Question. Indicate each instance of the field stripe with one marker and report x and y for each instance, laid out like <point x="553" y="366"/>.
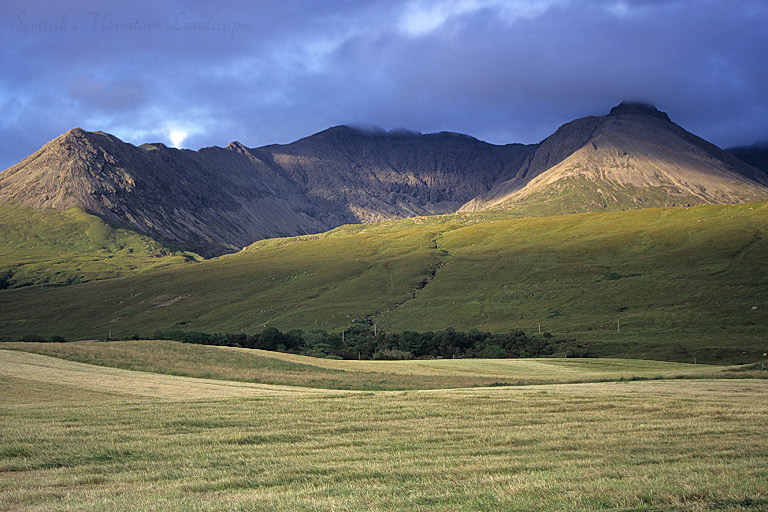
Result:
<point x="712" y="389"/>
<point x="512" y="368"/>
<point x="50" y="370"/>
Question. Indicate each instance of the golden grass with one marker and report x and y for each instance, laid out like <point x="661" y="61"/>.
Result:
<point x="691" y="445"/>
<point x="44" y="370"/>
<point x="554" y="369"/>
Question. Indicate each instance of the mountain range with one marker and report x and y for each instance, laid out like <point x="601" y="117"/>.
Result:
<point x="218" y="200"/>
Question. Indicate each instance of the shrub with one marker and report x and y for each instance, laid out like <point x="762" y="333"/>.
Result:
<point x="391" y="354"/>
<point x="577" y="352"/>
<point x="33" y="338"/>
<point x="359" y="341"/>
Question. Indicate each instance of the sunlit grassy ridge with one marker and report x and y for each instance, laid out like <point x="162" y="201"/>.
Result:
<point x="595" y="195"/>
<point x="50" y="247"/>
<point x="688" y="284"/>
<point x="266" y="367"/>
<point x="165" y="443"/>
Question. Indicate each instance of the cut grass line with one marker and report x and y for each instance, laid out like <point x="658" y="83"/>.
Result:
<point x="46" y="369"/>
<point x="523" y="368"/>
<point x="688" y="388"/>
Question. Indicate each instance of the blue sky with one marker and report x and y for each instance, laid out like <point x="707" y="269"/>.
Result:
<point x="195" y="74"/>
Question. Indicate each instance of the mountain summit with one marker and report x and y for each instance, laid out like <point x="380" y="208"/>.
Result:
<point x="212" y="201"/>
<point x="633" y="157"/>
<point x="218" y="200"/>
<point x="635" y="108"/>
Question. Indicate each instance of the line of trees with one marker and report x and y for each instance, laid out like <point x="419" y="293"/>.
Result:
<point x="360" y="342"/>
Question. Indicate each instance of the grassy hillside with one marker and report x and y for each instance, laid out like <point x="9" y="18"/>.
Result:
<point x="677" y="283"/>
<point x="584" y="194"/>
<point x="687" y="284"/>
<point x="81" y="437"/>
<point x="276" y="368"/>
<point x="323" y="281"/>
<point x="50" y="247"/>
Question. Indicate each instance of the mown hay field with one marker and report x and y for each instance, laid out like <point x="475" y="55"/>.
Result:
<point x="81" y="437"/>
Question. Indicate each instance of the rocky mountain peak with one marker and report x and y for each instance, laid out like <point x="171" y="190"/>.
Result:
<point x="153" y="146"/>
<point x="638" y="108"/>
<point x="76" y="132"/>
<point x="237" y="146"/>
<point x="74" y="136"/>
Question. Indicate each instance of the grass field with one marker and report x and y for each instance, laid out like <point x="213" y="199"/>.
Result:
<point x="275" y="368"/>
<point x="681" y="284"/>
<point x="81" y="437"/>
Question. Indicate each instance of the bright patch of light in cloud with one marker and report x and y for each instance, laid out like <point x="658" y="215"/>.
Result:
<point x="422" y="17"/>
<point x="173" y="135"/>
<point x="177" y="137"/>
<point x="619" y="9"/>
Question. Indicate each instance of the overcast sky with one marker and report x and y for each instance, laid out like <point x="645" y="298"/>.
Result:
<point x="194" y="74"/>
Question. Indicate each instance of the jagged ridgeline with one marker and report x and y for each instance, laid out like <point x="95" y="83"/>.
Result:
<point x="218" y="200"/>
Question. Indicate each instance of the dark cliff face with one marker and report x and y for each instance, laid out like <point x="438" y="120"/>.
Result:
<point x="371" y="176"/>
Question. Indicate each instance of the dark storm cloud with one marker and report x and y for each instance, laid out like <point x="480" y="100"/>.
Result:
<point x="263" y="72"/>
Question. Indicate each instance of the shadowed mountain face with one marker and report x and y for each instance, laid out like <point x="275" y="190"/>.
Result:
<point x="372" y="176"/>
<point x="218" y="200"/>
<point x="755" y="155"/>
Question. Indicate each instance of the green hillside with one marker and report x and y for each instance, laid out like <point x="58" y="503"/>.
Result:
<point x="685" y="284"/>
<point x="50" y="247"/>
